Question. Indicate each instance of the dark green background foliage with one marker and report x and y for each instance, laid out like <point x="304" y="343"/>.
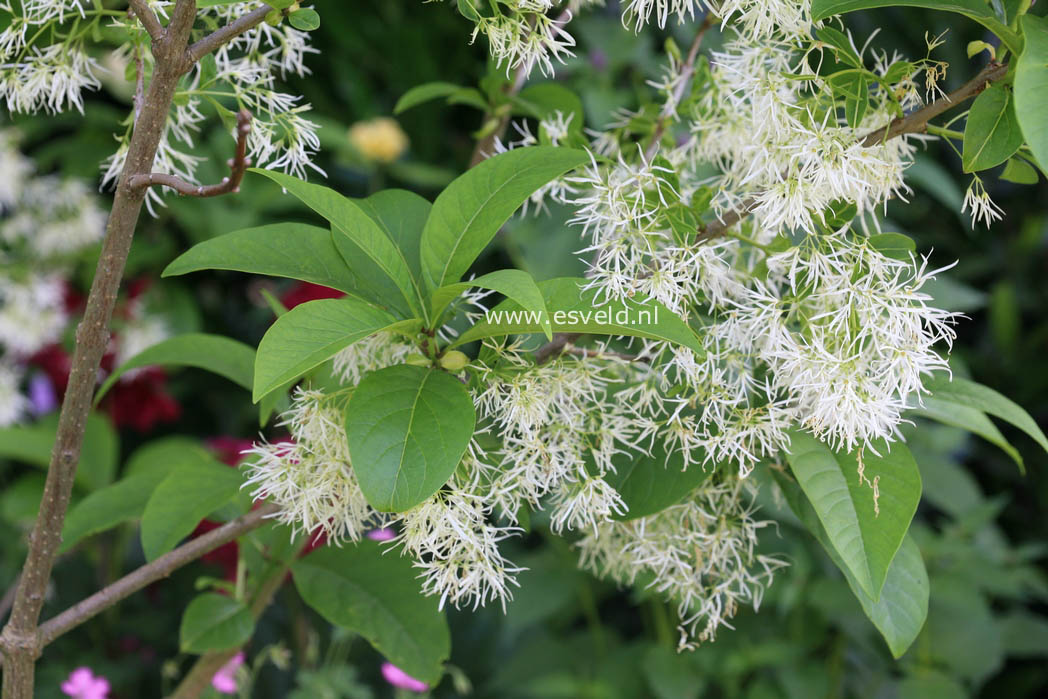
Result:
<point x="980" y="525"/>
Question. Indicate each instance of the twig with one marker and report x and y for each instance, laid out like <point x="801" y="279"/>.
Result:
<point x="151" y="572"/>
<point x="238" y="166"/>
<point x="486" y="145"/>
<point x="597" y="354"/>
<point x="148" y="18"/>
<point x="684" y="80"/>
<point x="225" y="34"/>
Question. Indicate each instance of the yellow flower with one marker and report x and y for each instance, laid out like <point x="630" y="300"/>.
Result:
<point x="381" y="139"/>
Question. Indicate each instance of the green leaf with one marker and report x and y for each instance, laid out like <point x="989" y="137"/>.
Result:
<point x="894" y="245"/>
<point x="572" y="309"/>
<point x="865" y="539"/>
<point x="98" y="456"/>
<point x="1031" y="86"/>
<point x="215" y="353"/>
<point x="511" y="283"/>
<point x="975" y="10"/>
<point x="973" y="395"/>
<point x="380" y="267"/>
<point x="544" y="99"/>
<point x="360" y="589"/>
<point x="466" y="215"/>
<point x="291" y="250"/>
<point x="853" y="88"/>
<point x="423" y="93"/>
<point x="970" y="419"/>
<point x="649" y="483"/>
<point x="186" y="495"/>
<point x="1019" y="171"/>
<point x="839" y="41"/>
<point x="402" y="215"/>
<point x="305" y="19"/>
<point x="900" y="612"/>
<point x="125" y="500"/>
<point x="214" y="622"/>
<point x="408" y="428"/>
<point x="308" y="335"/>
<point x="992" y="133"/>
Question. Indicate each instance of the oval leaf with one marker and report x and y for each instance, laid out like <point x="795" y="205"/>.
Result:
<point x="290" y="250"/>
<point x="214" y="622"/>
<point x="511" y="283"/>
<point x="865" y="539"/>
<point x="215" y="353"/>
<point x="992" y="133"/>
<point x="408" y="427"/>
<point x="309" y="334"/>
<point x="466" y="215"/>
<point x="1031" y="86"/>
<point x="377" y="596"/>
<point x="651" y="483"/>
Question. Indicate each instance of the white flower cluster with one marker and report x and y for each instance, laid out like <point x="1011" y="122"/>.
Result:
<point x="700" y="553"/>
<point x="242" y="74"/>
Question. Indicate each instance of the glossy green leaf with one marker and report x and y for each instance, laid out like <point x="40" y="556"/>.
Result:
<point x="408" y="428"/>
<point x="468" y="213"/>
<point x="894" y="245"/>
<point x="1019" y="171"/>
<point x="973" y="395"/>
<point x="214" y="622"/>
<point x="992" y="133"/>
<point x="420" y="94"/>
<point x="865" y="532"/>
<point x="306" y="19"/>
<point x="291" y="250"/>
<point x="1031" y="86"/>
<point x="511" y="283"/>
<point x="310" y="334"/>
<point x="377" y="595"/>
<point x="125" y="500"/>
<point x="382" y="271"/>
<point x="975" y="10"/>
<point x="402" y="215"/>
<point x="967" y="418"/>
<point x="649" y="483"/>
<point x="219" y="355"/>
<point x="900" y="612"/>
<point x="852" y="87"/>
<point x="185" y="496"/>
<point x="572" y="309"/>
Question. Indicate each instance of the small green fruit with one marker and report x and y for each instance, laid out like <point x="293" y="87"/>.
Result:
<point x="454" y="361"/>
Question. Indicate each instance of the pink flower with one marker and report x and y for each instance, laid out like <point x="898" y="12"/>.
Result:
<point x="82" y="684"/>
<point x="225" y="680"/>
<point x="398" y="678"/>
<point x="384" y="534"/>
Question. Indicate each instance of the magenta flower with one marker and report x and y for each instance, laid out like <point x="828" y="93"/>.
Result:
<point x="384" y="534"/>
<point x="398" y="678"/>
<point x="225" y="680"/>
<point x="83" y="684"/>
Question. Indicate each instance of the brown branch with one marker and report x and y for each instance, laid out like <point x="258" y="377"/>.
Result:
<point x="225" y="34"/>
<point x="598" y="354"/>
<point x="686" y="72"/>
<point x="148" y="18"/>
<point x="151" y="572"/>
<point x="238" y="166"/>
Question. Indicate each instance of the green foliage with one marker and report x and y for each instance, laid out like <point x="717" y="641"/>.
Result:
<point x="310" y="334"/>
<point x="992" y="133"/>
<point x="215" y="622"/>
<point x="215" y="353"/>
<point x="514" y="284"/>
<point x="190" y="492"/>
<point x="420" y="94"/>
<point x="32" y="444"/>
<point x="865" y="510"/>
<point x="376" y="595"/>
<point x="1031" y="86"/>
<point x="408" y="428"/>
<point x="466" y="215"/>
<point x="649" y="483"/>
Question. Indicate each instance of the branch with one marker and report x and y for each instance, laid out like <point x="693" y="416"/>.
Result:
<point x="224" y="35"/>
<point x="687" y="70"/>
<point x="238" y="165"/>
<point x="148" y="18"/>
<point x="151" y="572"/>
<point x="916" y="122"/>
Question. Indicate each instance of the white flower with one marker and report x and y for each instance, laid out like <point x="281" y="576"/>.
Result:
<point x="13" y="405"/>
<point x="32" y="313"/>
<point x="979" y="205"/>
